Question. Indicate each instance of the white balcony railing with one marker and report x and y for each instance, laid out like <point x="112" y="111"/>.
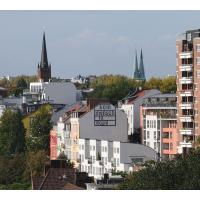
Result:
<point x="186" y="131"/>
<point x="186" y="119"/>
<point x="186" y="67"/>
<point x="186" y="80"/>
<point x="187" y="105"/>
<point x="186" y="54"/>
<point x="186" y="144"/>
<point x="186" y="93"/>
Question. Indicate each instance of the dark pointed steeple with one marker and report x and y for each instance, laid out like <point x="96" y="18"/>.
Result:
<point x="44" y="69"/>
<point x="141" y="67"/>
<point x="136" y="73"/>
<point x="44" y="59"/>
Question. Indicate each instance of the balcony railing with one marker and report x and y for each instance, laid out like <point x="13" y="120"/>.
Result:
<point x="186" y="54"/>
<point x="186" y="118"/>
<point x="187" y="105"/>
<point x="187" y="144"/>
<point x="186" y="92"/>
<point x="186" y="67"/>
<point x="186" y="80"/>
<point x="187" y="131"/>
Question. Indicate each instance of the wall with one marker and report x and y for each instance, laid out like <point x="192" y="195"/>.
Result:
<point x="117" y="133"/>
<point x="61" y="93"/>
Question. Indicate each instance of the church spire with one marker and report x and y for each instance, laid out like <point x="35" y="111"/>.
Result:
<point x="44" y="59"/>
<point x="141" y="67"/>
<point x="136" y="73"/>
<point x="44" y="69"/>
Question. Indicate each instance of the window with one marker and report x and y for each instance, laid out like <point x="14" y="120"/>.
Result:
<point x="154" y="145"/>
<point x="117" y="161"/>
<point x="198" y="73"/>
<point x="198" y="60"/>
<point x="105" y="149"/>
<point x="198" y="47"/>
<point x="117" y="150"/>
<point x="154" y="135"/>
<point x="171" y="146"/>
<point x="189" y="37"/>
<point x="106" y="160"/>
<point x="147" y="134"/>
<point x="93" y="148"/>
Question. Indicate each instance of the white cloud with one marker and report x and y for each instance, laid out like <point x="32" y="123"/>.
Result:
<point x="88" y="36"/>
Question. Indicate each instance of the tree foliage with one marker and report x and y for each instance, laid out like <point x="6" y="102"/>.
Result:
<point x="12" y="133"/>
<point x="17" y="84"/>
<point x="35" y="162"/>
<point x="116" y="87"/>
<point x="69" y="164"/>
<point x="12" y="169"/>
<point x="113" y="87"/>
<point x="179" y="174"/>
<point x="39" y="130"/>
<point x="165" y="85"/>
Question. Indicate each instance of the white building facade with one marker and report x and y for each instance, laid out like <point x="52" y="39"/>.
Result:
<point x="97" y="141"/>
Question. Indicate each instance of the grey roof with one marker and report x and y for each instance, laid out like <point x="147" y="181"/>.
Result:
<point x="131" y="150"/>
<point x="60" y="113"/>
<point x="168" y="95"/>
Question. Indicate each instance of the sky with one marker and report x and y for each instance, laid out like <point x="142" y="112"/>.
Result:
<point x="92" y="42"/>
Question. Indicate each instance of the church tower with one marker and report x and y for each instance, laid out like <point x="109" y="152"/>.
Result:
<point x="44" y="69"/>
<point x="139" y="73"/>
<point x="141" y="68"/>
<point x="136" y="72"/>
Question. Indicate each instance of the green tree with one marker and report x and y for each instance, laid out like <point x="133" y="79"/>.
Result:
<point x="113" y="87"/>
<point x="39" y="130"/>
<point x="12" y="169"/>
<point x="12" y="133"/>
<point x="35" y="163"/>
<point x="181" y="173"/>
<point x="69" y="164"/>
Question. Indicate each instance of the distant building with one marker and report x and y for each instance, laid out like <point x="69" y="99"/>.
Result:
<point x="52" y="90"/>
<point x="159" y="124"/>
<point x="139" y="73"/>
<point x="131" y="106"/>
<point x="44" y="68"/>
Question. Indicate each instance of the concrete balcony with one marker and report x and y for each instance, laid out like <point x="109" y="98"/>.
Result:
<point x="187" y="105"/>
<point x="186" y="80"/>
<point x="186" y="131"/>
<point x="186" y="54"/>
<point x="186" y="144"/>
<point x="186" y="118"/>
<point x="186" y="93"/>
<point x="186" y="67"/>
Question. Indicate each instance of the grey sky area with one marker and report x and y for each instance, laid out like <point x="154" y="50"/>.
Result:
<point x="92" y="42"/>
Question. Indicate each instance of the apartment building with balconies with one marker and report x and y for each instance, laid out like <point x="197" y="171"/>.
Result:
<point x="188" y="87"/>
<point x="158" y="124"/>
